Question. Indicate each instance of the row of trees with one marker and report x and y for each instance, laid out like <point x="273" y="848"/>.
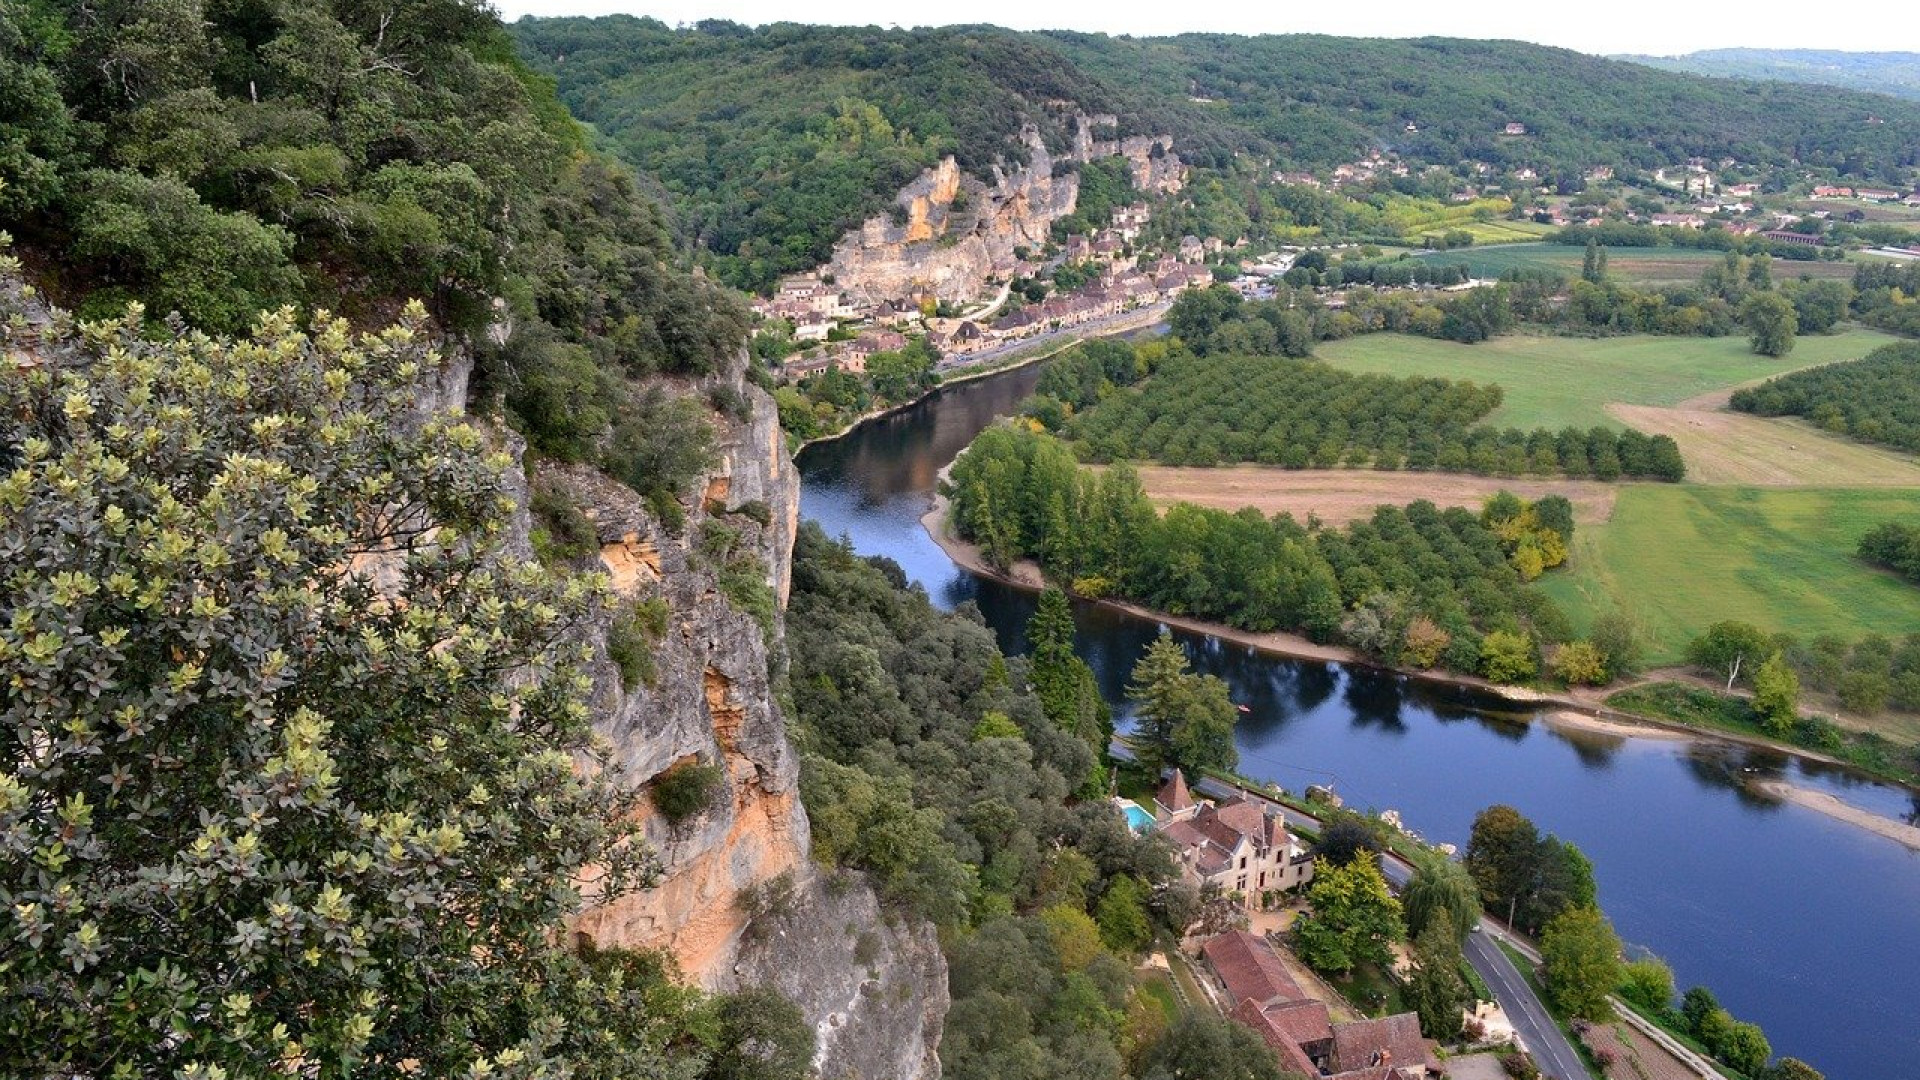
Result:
<point x="1866" y="675"/>
<point x="1875" y="399"/>
<point x="1416" y="585"/>
<point x="1208" y="410"/>
<point x="1887" y="295"/>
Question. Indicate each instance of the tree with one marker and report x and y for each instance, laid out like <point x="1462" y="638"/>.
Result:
<point x="1185" y="720"/>
<point x="1730" y="649"/>
<point x="1770" y="321"/>
<point x="1562" y="879"/>
<point x="1745" y="1048"/>
<point x="1501" y="854"/>
<point x="1442" y="892"/>
<point x="1122" y="916"/>
<point x="1614" y="636"/>
<point x="290" y="735"/>
<point x="1354" y="919"/>
<point x="1791" y="1069"/>
<point x="1065" y="684"/>
<point x="1580" y="663"/>
<point x="761" y="1036"/>
<point x="1776" y="694"/>
<point x="1436" y="989"/>
<point x="1348" y="837"/>
<point x="1076" y="937"/>
<point x="1507" y="657"/>
<point x="1204" y="1044"/>
<point x="1648" y="983"/>
<point x="1580" y="957"/>
<point x="1697" y="1007"/>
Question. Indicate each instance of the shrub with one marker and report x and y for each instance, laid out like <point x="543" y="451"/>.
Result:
<point x="1580" y="663"/>
<point x="630" y="642"/>
<point x="1507" y="657"/>
<point x="685" y="790"/>
<point x="560" y="531"/>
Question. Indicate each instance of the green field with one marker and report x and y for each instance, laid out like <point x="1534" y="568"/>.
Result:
<point x="1631" y="266"/>
<point x="1676" y="559"/>
<point x="1556" y="381"/>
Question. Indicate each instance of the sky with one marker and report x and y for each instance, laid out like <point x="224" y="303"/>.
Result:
<point x="1657" y="27"/>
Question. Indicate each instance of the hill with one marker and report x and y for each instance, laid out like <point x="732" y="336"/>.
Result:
<point x="773" y="141"/>
<point x="1896" y="73"/>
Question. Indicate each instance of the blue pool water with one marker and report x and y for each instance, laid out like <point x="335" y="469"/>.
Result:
<point x="1137" y="818"/>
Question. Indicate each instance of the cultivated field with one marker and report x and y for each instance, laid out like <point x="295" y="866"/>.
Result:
<point x="1557" y="381"/>
<point x="1495" y="232"/>
<point x="1677" y="558"/>
<point x="1632" y="266"/>
<point x="1338" y="496"/>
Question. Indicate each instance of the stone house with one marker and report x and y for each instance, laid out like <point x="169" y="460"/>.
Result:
<point x="1237" y="845"/>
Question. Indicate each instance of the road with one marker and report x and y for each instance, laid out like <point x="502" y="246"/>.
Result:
<point x="1543" y="1037"/>
<point x="1548" y="1045"/>
<point x="1066" y="335"/>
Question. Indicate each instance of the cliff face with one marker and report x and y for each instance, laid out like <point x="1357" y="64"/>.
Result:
<point x="711" y="699"/>
<point x="948" y="253"/>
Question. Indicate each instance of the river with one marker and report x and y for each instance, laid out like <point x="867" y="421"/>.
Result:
<point x="1800" y="923"/>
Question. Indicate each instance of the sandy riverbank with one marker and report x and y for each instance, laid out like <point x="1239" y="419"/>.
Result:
<point x="1629" y="729"/>
<point x="1898" y="831"/>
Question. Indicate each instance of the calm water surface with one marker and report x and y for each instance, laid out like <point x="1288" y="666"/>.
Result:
<point x="1804" y="925"/>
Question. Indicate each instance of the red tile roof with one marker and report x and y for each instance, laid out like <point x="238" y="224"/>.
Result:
<point x="1292" y="1057"/>
<point x="1174" y="794"/>
<point x="1250" y="969"/>
<point x="1392" y="1041"/>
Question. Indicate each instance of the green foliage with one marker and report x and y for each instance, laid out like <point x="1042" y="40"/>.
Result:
<point x="686" y="790"/>
<point x="1523" y="875"/>
<point x="1026" y="1008"/>
<point x="1353" y="922"/>
<point x="1875" y="400"/>
<point x="1894" y="545"/>
<point x="996" y="725"/>
<point x="1508" y="657"/>
<point x="1580" y="663"/>
<point x="760" y="1035"/>
<point x="631" y="638"/>
<point x="561" y="532"/>
<point x="1436" y="989"/>
<point x="1580" y="958"/>
<point x="362" y="789"/>
<point x="1020" y="494"/>
<point x="1202" y="1043"/>
<point x="1648" y="984"/>
<point x="1733" y="650"/>
<point x="1441" y="893"/>
<point x="1619" y="645"/>
<point x="1182" y="719"/>
<point x="888" y="694"/>
<point x="216" y="160"/>
<point x="1221" y="409"/>
<point x="1122" y="917"/>
<point x="1062" y="681"/>
<point x="661" y="444"/>
<point x="1770" y="321"/>
<point x="1776" y="694"/>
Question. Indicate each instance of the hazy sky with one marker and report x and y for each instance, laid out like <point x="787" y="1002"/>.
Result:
<point x="1659" y="27"/>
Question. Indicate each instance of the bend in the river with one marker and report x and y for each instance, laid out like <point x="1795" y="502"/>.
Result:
<point x="1798" y="922"/>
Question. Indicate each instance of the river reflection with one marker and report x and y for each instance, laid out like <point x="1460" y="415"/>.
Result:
<point x="1800" y="923"/>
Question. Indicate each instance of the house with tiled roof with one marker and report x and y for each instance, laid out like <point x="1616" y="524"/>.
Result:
<point x="1257" y="991"/>
<point x="1237" y="845"/>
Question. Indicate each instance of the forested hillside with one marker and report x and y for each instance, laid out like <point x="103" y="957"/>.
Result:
<point x="774" y="140"/>
<point x="1896" y="73"/>
<point x="220" y="160"/>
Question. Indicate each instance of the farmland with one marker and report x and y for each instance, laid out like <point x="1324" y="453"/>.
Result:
<point x="1558" y="381"/>
<point x="1675" y="559"/>
<point x="1631" y="266"/>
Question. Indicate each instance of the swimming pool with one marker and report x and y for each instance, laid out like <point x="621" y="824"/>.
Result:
<point x="1137" y="819"/>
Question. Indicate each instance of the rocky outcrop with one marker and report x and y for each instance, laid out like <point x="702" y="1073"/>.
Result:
<point x="876" y="990"/>
<point x="937" y="243"/>
<point x="710" y="699"/>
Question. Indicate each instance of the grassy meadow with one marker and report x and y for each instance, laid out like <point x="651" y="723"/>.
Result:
<point x="1677" y="558"/>
<point x="1557" y="381"/>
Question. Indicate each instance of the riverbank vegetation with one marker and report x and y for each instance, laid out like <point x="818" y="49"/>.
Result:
<point x="948" y="772"/>
<point x="1415" y="585"/>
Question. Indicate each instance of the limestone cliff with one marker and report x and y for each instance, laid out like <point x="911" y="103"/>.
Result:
<point x="711" y="698"/>
<point x="937" y="244"/>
